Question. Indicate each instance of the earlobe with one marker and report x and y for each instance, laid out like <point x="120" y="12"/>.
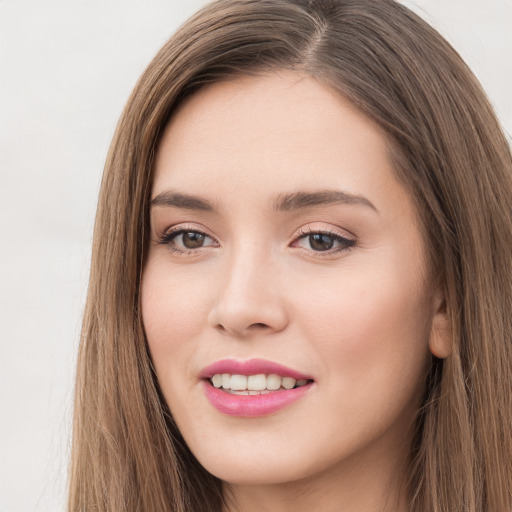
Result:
<point x="440" y="340"/>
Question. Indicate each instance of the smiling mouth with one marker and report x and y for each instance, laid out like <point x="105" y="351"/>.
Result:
<point x="258" y="384"/>
<point x="253" y="388"/>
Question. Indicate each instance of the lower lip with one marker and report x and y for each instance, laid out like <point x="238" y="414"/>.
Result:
<point x="250" y="406"/>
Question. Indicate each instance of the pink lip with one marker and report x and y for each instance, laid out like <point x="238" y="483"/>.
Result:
<point x="251" y="367"/>
<point x="248" y="406"/>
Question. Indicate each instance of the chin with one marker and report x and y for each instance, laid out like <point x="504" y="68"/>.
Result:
<point x="261" y="472"/>
<point x="265" y="458"/>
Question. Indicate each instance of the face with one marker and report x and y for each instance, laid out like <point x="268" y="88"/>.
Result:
<point x="283" y="245"/>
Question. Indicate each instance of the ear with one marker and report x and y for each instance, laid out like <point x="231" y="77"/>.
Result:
<point x="440" y="340"/>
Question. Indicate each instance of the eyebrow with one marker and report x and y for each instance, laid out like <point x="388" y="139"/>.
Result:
<point x="184" y="201"/>
<point x="283" y="202"/>
<point x="304" y="200"/>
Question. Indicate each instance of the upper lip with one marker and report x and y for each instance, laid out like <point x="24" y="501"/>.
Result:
<point x="251" y="367"/>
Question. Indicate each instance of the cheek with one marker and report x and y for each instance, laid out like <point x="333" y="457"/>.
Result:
<point x="370" y="331"/>
<point x="172" y="307"/>
<point x="371" y="342"/>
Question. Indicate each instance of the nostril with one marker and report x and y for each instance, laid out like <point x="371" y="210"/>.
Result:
<point x="221" y="328"/>
<point x="258" y="325"/>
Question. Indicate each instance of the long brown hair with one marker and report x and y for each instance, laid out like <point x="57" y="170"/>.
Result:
<point x="450" y="153"/>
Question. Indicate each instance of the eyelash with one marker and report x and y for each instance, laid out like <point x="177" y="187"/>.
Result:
<point x="168" y="237"/>
<point x="346" y="244"/>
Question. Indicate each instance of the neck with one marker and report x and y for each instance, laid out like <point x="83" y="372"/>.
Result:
<point x="353" y="486"/>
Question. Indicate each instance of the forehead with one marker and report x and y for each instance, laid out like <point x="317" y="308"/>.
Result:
<point x="271" y="134"/>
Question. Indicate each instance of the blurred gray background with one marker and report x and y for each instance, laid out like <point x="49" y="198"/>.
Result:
<point x="66" y="70"/>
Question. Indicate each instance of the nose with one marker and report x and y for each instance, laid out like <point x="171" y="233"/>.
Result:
<point x="250" y="299"/>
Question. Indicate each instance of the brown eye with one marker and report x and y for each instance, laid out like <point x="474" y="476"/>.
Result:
<point x="183" y="240"/>
<point x="327" y="242"/>
<point x="321" y="241"/>
<point x="192" y="239"/>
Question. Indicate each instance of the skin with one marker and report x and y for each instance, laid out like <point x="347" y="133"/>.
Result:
<point x="362" y="320"/>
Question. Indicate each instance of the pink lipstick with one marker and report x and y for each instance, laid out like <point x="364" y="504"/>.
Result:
<point x="252" y="388"/>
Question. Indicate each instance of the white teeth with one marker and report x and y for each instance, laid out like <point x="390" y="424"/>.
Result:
<point x="273" y="382"/>
<point x="254" y="384"/>
<point x="288" y="382"/>
<point x="226" y="378"/>
<point x="238" y="382"/>
<point x="257" y="382"/>
<point x="217" y="380"/>
<point x="248" y="392"/>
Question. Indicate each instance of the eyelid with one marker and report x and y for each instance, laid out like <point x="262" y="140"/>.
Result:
<point x="338" y="234"/>
<point x="322" y="227"/>
<point x="166" y="236"/>
<point x="348" y="241"/>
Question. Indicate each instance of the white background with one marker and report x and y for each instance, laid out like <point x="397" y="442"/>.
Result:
<point x="67" y="68"/>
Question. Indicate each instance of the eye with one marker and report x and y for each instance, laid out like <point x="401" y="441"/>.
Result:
<point x="186" y="240"/>
<point x="323" y="241"/>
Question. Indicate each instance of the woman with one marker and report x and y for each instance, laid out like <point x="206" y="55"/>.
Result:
<point x="300" y="291"/>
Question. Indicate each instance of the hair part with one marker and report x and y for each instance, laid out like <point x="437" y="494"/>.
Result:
<point x="449" y="152"/>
